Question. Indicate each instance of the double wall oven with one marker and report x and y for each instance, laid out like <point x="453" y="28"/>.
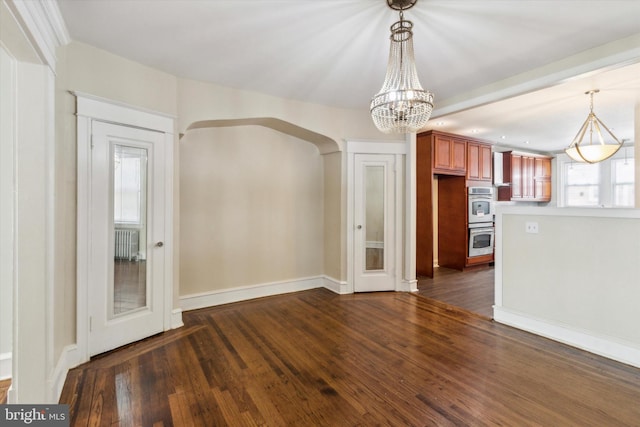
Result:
<point x="481" y="221"/>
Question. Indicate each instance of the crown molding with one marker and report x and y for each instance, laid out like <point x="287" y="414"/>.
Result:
<point x="42" y="23"/>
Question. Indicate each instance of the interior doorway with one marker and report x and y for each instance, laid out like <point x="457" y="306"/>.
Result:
<point x="125" y="217"/>
<point x="374" y="232"/>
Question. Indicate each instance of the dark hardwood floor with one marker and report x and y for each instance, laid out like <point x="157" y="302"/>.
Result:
<point x="471" y="289"/>
<point x="315" y="358"/>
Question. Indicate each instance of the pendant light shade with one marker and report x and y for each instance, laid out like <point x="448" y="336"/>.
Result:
<point x="402" y="105"/>
<point x="591" y="151"/>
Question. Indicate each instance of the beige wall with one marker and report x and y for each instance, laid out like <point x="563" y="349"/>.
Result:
<point x="198" y="101"/>
<point x="204" y="101"/>
<point x="251" y="208"/>
<point x="335" y="265"/>
<point x="100" y="73"/>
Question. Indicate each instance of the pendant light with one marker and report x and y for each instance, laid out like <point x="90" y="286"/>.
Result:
<point x="402" y="105"/>
<point x="592" y="151"/>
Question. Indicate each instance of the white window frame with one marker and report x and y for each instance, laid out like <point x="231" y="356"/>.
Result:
<point x="605" y="193"/>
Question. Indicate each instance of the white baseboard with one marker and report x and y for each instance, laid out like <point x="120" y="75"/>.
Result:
<point x="408" y="286"/>
<point x="226" y="296"/>
<point x="5" y="365"/>
<point x="603" y="346"/>
<point x="68" y="360"/>
<point x="176" y="318"/>
<point x="334" y="285"/>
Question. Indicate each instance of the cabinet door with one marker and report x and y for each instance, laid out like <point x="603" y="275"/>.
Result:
<point x="485" y="163"/>
<point x="516" y="176"/>
<point x="442" y="152"/>
<point x="479" y="162"/>
<point x="459" y="159"/>
<point x="528" y="169"/>
<point x="449" y="155"/>
<point x="542" y="179"/>
<point x="473" y="161"/>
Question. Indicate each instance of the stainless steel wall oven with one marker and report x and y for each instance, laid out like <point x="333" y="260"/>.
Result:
<point x="481" y="239"/>
<point x="481" y="204"/>
<point x="480" y="220"/>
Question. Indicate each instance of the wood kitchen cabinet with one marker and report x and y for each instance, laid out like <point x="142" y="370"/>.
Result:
<point x="479" y="161"/>
<point x="527" y="177"/>
<point x="424" y="205"/>
<point x="458" y="162"/>
<point x="449" y="155"/>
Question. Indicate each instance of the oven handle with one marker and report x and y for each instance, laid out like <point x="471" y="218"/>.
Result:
<point x="480" y="230"/>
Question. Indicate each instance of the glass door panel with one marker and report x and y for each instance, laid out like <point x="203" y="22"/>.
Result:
<point x="374" y="217"/>
<point x="129" y="229"/>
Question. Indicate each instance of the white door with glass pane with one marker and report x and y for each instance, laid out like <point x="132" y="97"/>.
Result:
<point x="374" y="215"/>
<point x="127" y="231"/>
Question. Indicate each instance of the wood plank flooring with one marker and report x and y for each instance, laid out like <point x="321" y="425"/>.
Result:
<point x="315" y="358"/>
<point x="471" y="289"/>
<point x="4" y="388"/>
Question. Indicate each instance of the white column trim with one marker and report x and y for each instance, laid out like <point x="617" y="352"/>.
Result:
<point x="410" y="282"/>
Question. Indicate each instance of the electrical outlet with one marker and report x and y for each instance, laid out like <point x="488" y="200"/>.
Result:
<point x="531" y="227"/>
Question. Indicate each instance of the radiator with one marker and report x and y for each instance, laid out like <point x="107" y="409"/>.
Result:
<point x="126" y="244"/>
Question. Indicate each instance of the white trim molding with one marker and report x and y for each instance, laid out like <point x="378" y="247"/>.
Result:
<point x="408" y="286"/>
<point x="176" y="318"/>
<point x="603" y="346"/>
<point x="68" y="360"/>
<point x="43" y="24"/>
<point x="106" y="110"/>
<point x="243" y="293"/>
<point x="334" y="285"/>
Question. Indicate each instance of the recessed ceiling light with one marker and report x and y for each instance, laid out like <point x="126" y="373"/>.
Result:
<point x="503" y="137"/>
<point x="439" y="123"/>
<point x="474" y="130"/>
<point x="526" y="142"/>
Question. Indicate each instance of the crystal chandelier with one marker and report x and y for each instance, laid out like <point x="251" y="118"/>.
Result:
<point x="402" y="105"/>
<point x="592" y="152"/>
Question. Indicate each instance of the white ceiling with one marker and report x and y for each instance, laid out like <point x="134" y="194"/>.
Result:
<point x="470" y="53"/>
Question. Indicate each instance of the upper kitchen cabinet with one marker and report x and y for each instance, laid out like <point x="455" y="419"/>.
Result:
<point x="478" y="161"/>
<point x="526" y="177"/>
<point x="449" y="154"/>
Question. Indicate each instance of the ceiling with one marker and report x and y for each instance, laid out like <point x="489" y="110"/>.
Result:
<point x="512" y="68"/>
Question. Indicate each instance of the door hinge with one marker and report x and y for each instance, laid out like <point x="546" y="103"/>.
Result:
<point x="91" y="141"/>
<point x="90" y="323"/>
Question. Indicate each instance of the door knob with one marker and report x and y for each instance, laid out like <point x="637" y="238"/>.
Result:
<point x="359" y="227"/>
<point x="159" y="244"/>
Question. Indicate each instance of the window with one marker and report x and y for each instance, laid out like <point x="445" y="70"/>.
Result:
<point x="129" y="184"/>
<point x="622" y="177"/>
<point x="582" y="184"/>
<point x="605" y="184"/>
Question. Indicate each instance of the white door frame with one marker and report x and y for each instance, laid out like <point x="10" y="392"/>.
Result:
<point x="90" y="108"/>
<point x="366" y="147"/>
